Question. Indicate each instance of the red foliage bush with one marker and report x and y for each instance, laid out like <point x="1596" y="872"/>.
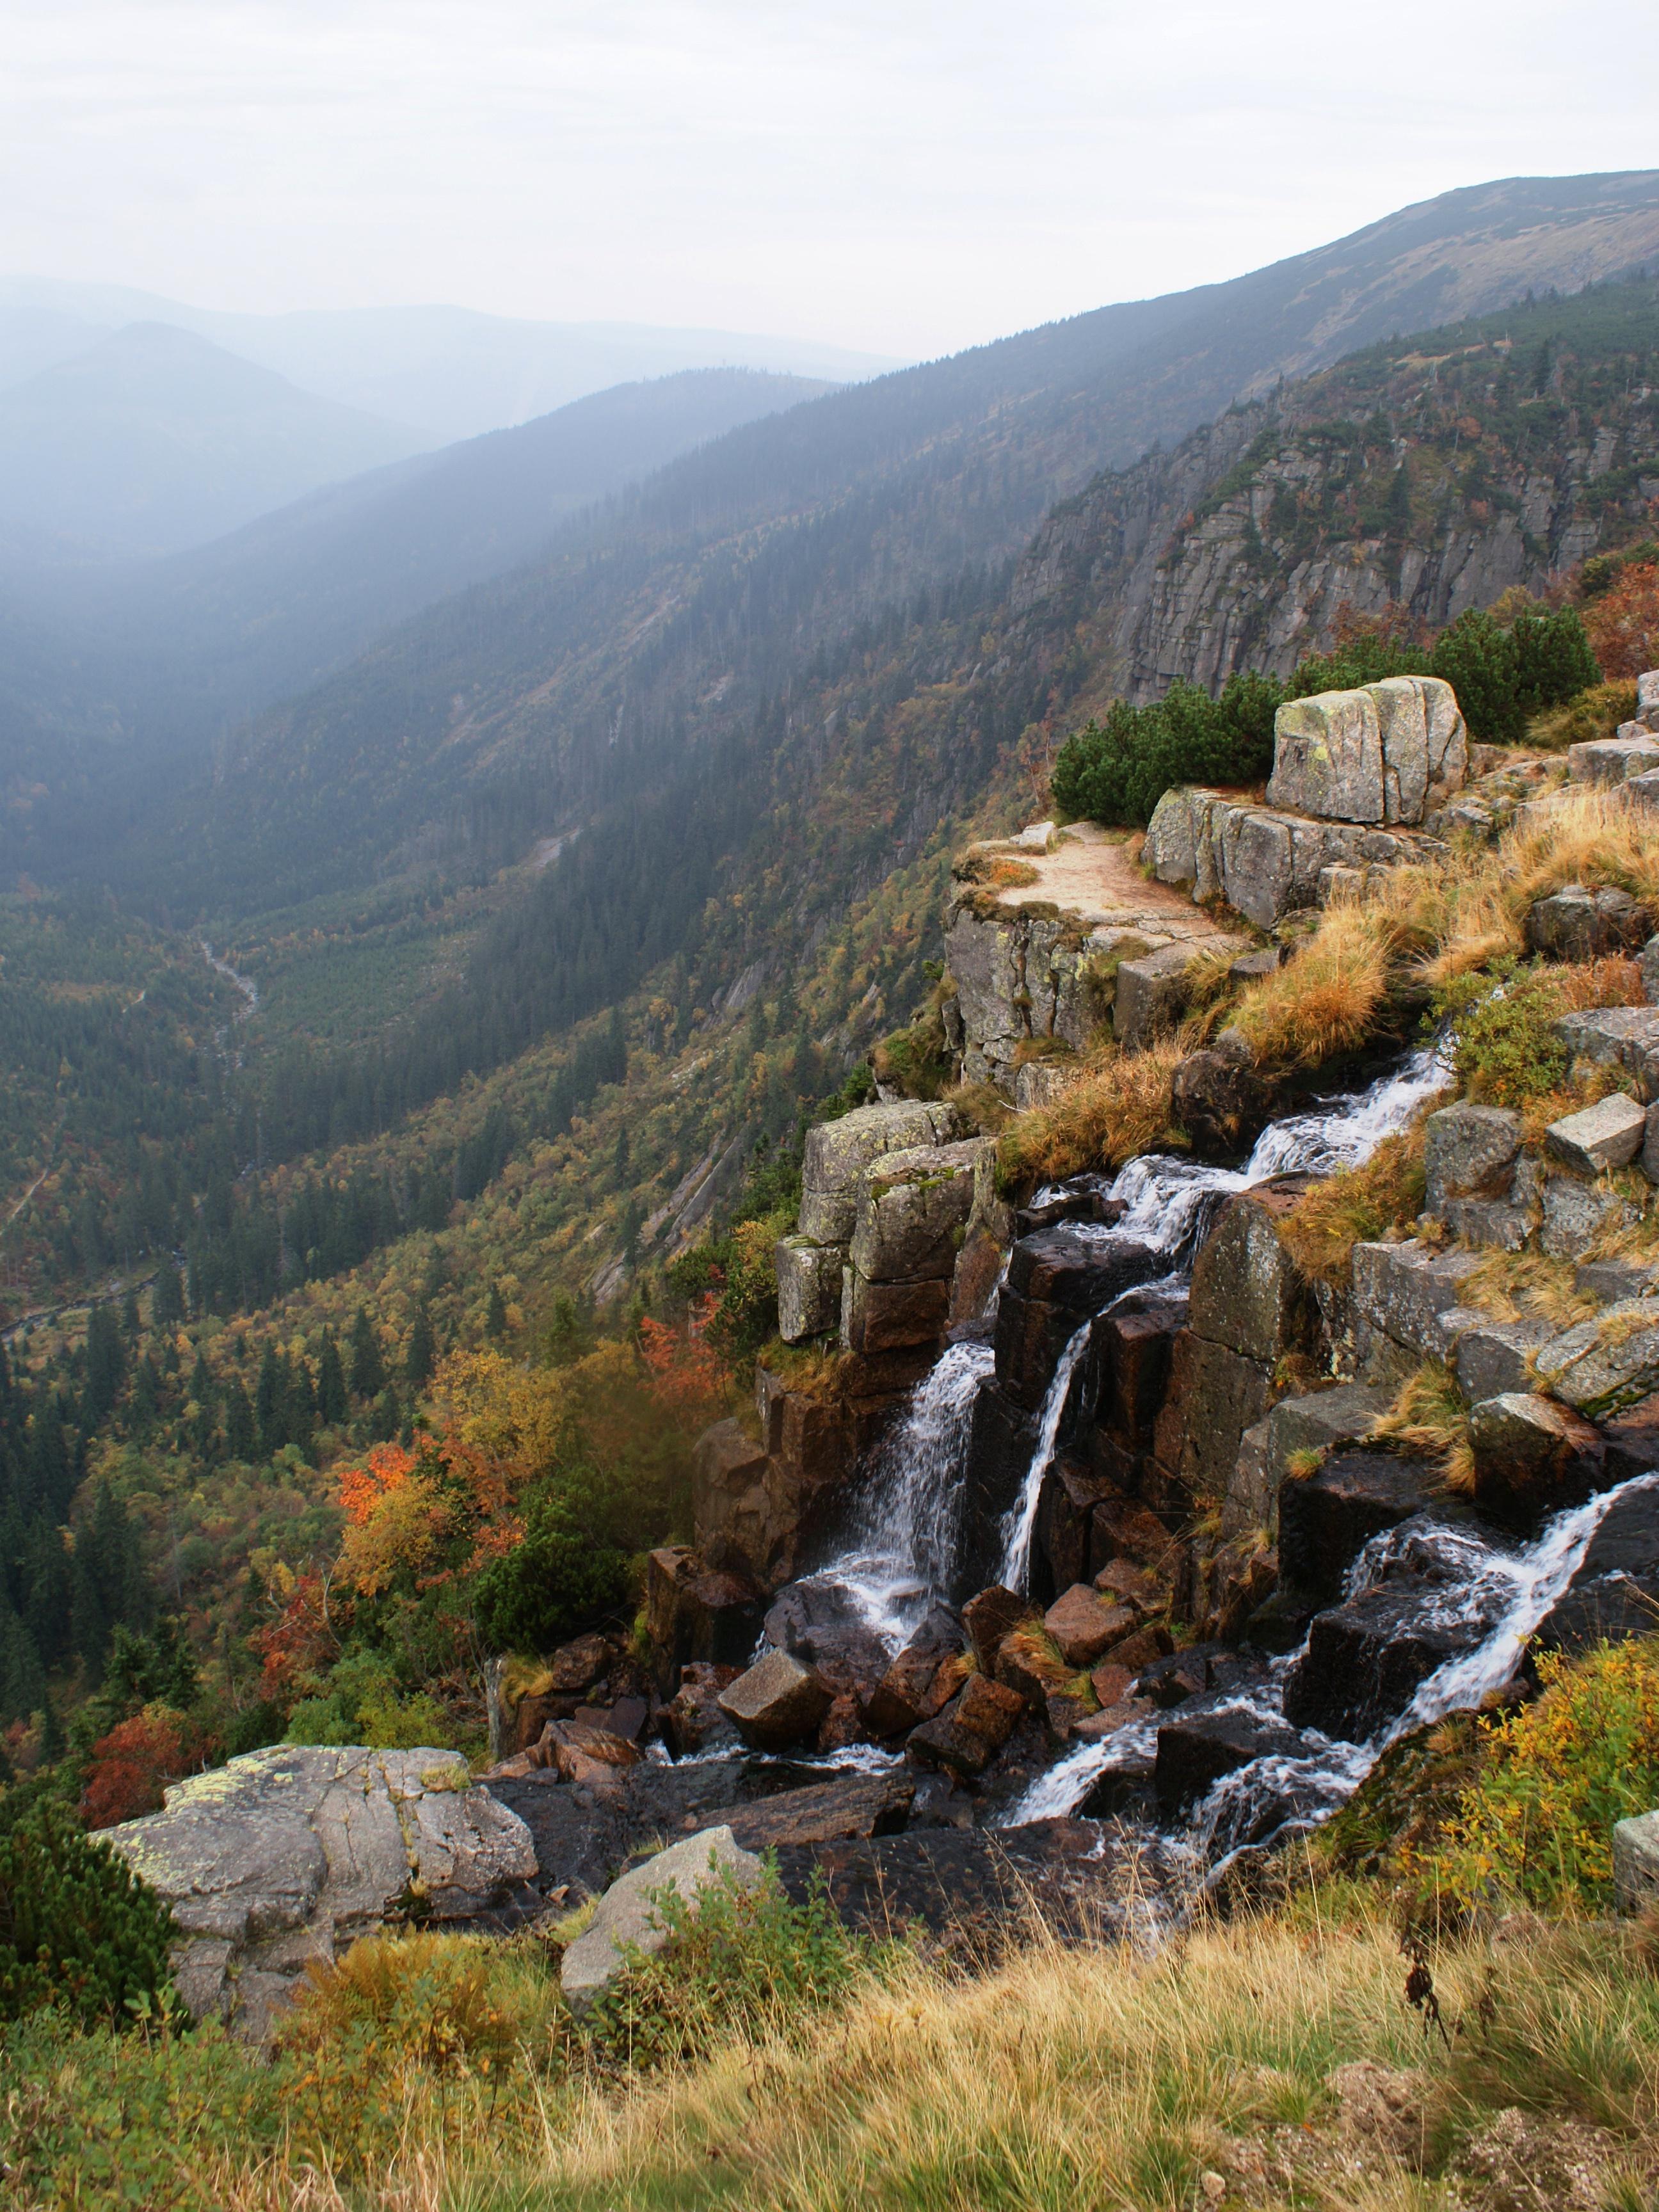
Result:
<point x="130" y="1765"/>
<point x="1623" y="624"/>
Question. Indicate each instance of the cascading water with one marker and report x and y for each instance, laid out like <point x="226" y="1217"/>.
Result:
<point x="1169" y="1204"/>
<point x="1504" y="1594"/>
<point x="901" y="1556"/>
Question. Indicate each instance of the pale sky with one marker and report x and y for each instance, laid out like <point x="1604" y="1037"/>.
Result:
<point x="908" y="176"/>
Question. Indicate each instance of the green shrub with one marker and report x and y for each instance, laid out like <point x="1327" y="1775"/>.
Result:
<point x="550" y="1586"/>
<point x="1499" y="1026"/>
<point x="78" y="1930"/>
<point x="737" y="1962"/>
<point x="1555" y="1776"/>
<point x="1119" y="771"/>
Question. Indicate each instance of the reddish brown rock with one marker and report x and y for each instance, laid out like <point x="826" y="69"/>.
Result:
<point x="777" y="1702"/>
<point x="1153" y="1642"/>
<point x="1135" y="1586"/>
<point x="1027" y="1661"/>
<point x="1110" y="1681"/>
<point x="692" y="1719"/>
<point x="990" y="1709"/>
<point x="579" y="1665"/>
<point x="988" y="1619"/>
<point x="1085" y="1625"/>
<point x="907" y="1695"/>
<point x="843" y="1724"/>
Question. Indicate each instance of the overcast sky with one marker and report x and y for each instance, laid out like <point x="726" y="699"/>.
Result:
<point x="908" y="176"/>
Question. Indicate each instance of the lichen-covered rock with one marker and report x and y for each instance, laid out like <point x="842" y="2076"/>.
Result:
<point x="776" y="1703"/>
<point x="1264" y="864"/>
<point x="629" y="1918"/>
<point x="1605" y="1364"/>
<point x="1383" y="753"/>
<point x="1636" y="1863"/>
<point x="1608" y="1134"/>
<point x="1467" y="1151"/>
<point x="1404" y="1290"/>
<point x="1576" y="924"/>
<point x="1613" y="760"/>
<point x="1617" y="1036"/>
<point x="1576" y="1214"/>
<point x="284" y="1855"/>
<point x="1493" y="1358"/>
<point x="837" y="1152"/>
<point x="1220" y="1102"/>
<point x="1150" y="996"/>
<point x="808" y="1287"/>
<point x="912" y="1210"/>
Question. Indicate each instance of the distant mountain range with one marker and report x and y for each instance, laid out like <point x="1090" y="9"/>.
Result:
<point x="441" y="373"/>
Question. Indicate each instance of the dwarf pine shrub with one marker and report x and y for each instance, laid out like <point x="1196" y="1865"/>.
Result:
<point x="78" y="1930"/>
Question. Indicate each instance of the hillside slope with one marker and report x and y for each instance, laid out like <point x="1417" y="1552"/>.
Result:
<point x="746" y="572"/>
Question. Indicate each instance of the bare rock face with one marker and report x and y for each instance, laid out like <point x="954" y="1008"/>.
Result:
<point x="1576" y="924"/>
<point x="631" y="1916"/>
<point x="837" y="1152"/>
<point x="1467" y="1151"/>
<point x="1608" y="1134"/>
<point x="1385" y="753"/>
<point x="288" y="1855"/>
<point x="1532" y="1455"/>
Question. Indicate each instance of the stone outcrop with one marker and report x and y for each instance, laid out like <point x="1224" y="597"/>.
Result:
<point x="285" y="1855"/>
<point x="1265" y="862"/>
<point x="1387" y="753"/>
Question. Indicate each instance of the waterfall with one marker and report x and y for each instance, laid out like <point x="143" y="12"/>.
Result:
<point x="902" y="1554"/>
<point x="1169" y="1205"/>
<point x="1505" y="1592"/>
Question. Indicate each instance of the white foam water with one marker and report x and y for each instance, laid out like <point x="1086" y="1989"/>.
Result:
<point x="1504" y="1593"/>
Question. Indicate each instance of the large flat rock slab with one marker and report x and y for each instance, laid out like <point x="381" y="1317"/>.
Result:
<point x="286" y="1854"/>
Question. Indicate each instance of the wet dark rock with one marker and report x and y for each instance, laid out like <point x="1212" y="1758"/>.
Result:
<point x="1124" y="1790"/>
<point x="693" y="1612"/>
<point x="1124" y="1530"/>
<point x="692" y="1720"/>
<point x="1215" y="1393"/>
<point x="1633" y="1442"/>
<point x="1326" y="1519"/>
<point x="1000" y="1442"/>
<point x="1065" y="1504"/>
<point x="1128" y="1365"/>
<point x="1366" y="1659"/>
<point x="1221" y="1102"/>
<point x="1171" y="1681"/>
<point x="974" y="1889"/>
<point x="820" y="1624"/>
<point x="1615" y="1592"/>
<point x="967" y="1735"/>
<point x="579" y="1665"/>
<point x="1247" y="1293"/>
<point x="1210" y="1737"/>
<point x="1056" y="1279"/>
<point x="1532" y="1456"/>
<point x="849" y="1805"/>
<point x="1082" y="1199"/>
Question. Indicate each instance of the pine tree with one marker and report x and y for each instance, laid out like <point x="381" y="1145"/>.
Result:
<point x="421" y="1356"/>
<point x="367" y="1368"/>
<point x="495" y="1315"/>
<point x="167" y="1301"/>
<point x="331" y="1400"/>
<point x="106" y="1365"/>
<point x="241" y="1434"/>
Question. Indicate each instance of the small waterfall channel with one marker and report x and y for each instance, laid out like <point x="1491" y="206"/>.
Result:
<point x="1500" y="1596"/>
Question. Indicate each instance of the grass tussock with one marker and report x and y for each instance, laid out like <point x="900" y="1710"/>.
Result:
<point x="1428" y="1419"/>
<point x="1211" y="2071"/>
<point x="1529" y="1287"/>
<point x="1359" y="1206"/>
<point x="1118" y="1108"/>
<point x="1594" y="714"/>
<point x="1325" y="999"/>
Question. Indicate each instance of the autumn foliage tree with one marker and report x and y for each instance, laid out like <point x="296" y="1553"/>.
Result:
<point x="1622" y="622"/>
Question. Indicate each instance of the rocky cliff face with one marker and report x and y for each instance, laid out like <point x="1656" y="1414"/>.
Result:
<point x="1428" y="482"/>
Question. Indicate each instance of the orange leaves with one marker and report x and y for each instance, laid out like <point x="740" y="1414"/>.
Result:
<point x="129" y="1766"/>
<point x="684" y="1373"/>
<point x="304" y="1638"/>
<point x="1623" y="624"/>
<point x="362" y="1488"/>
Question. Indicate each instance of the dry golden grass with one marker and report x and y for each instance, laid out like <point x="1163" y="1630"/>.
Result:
<point x="1105" y="2080"/>
<point x="1596" y="713"/>
<point x="1324" y="1000"/>
<point x="1119" y="1107"/>
<point x="1528" y="1287"/>
<point x="1356" y="1206"/>
<point x="1429" y="1417"/>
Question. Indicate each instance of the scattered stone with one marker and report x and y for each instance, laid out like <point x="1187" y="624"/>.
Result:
<point x="286" y="1854"/>
<point x="1577" y="1213"/>
<point x="906" y="1694"/>
<point x="1085" y="1625"/>
<point x="1467" y="1151"/>
<point x="1383" y="2109"/>
<point x="1608" y="1134"/>
<point x="1205" y="1740"/>
<point x="990" y="1617"/>
<point x="1524" y="2163"/>
<point x="1636" y="1863"/>
<point x="629" y="1918"/>
<point x="1649" y="964"/>
<point x="777" y="1703"/>
<point x="1532" y="1455"/>
<point x="692" y="1720"/>
<point x="1111" y="1683"/>
<point x="578" y="1665"/>
<point x="1220" y="1102"/>
<point x="1148" y="1643"/>
<point x="1575" y="924"/>
<point x="820" y="1623"/>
